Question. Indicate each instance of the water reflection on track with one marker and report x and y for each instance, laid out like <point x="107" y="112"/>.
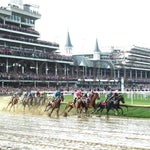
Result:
<point x="27" y="132"/>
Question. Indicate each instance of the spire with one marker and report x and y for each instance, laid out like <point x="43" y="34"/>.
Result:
<point x="96" y="47"/>
<point x="97" y="52"/>
<point x="68" y="41"/>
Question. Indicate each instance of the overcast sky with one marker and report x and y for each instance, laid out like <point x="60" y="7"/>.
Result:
<point x="112" y="22"/>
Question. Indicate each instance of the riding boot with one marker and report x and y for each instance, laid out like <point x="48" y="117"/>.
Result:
<point x="74" y="101"/>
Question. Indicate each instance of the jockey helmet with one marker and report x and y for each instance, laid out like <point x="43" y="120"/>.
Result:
<point x="110" y="92"/>
<point x="92" y="91"/>
<point x="79" y="91"/>
<point x="58" y="91"/>
<point x="38" y="91"/>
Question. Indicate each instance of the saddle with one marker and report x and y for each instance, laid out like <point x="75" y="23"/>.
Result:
<point x="103" y="102"/>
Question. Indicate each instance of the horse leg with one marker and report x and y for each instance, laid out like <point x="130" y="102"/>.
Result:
<point x="46" y="108"/>
<point x="86" y="110"/>
<point x="10" y="107"/>
<point x="101" y="110"/>
<point x="8" y="104"/>
<point x="107" y="114"/>
<point x="121" y="110"/>
<point x="58" y="112"/>
<point x="51" y="112"/>
<point x="28" y="106"/>
<point x="70" y="109"/>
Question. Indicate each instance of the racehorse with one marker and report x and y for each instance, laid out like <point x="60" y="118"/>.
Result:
<point x="81" y="103"/>
<point x="55" y="104"/>
<point x="91" y="103"/>
<point x="110" y="105"/>
<point x="13" y="102"/>
<point x="71" y="105"/>
<point x="27" y="101"/>
<point x="43" y="98"/>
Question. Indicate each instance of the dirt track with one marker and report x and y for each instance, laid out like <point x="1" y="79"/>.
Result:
<point x="4" y="100"/>
<point x="19" y="109"/>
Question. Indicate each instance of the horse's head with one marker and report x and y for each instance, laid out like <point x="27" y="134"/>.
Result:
<point x="96" y="95"/>
<point x="121" y="98"/>
<point x="62" y="97"/>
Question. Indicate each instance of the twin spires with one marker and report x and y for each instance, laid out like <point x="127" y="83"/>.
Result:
<point x="68" y="48"/>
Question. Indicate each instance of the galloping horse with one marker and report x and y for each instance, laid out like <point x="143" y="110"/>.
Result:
<point x="55" y="104"/>
<point x="112" y="104"/>
<point x="91" y="103"/>
<point x="69" y="105"/>
<point x="13" y="101"/>
<point x="115" y="104"/>
<point x="27" y="100"/>
<point x="80" y="104"/>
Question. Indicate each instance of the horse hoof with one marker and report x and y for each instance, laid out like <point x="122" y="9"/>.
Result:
<point x="65" y="114"/>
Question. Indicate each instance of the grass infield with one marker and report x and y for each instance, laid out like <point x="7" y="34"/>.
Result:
<point x="138" y="99"/>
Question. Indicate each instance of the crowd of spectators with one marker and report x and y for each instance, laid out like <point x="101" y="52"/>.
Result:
<point x="29" y="75"/>
<point x="27" y="39"/>
<point x="7" y="90"/>
<point x="21" y="29"/>
<point x="33" y="54"/>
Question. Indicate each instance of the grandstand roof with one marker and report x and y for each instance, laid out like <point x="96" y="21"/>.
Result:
<point x="82" y="61"/>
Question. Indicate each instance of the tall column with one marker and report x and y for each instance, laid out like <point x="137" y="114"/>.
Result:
<point x="90" y="72"/>
<point x="101" y="72"/>
<point x="135" y="74"/>
<point x="37" y="69"/>
<point x="114" y="74"/>
<point x="65" y="68"/>
<point x="86" y="71"/>
<point x="35" y="84"/>
<point x="145" y="74"/>
<point x="2" y="84"/>
<point x="130" y="74"/>
<point x="72" y="71"/>
<point x="22" y="69"/>
<point x="7" y="65"/>
<point x="118" y="73"/>
<point x="141" y="74"/>
<point x="56" y="69"/>
<point x="46" y="68"/>
<point x="105" y="72"/>
<point x="83" y="71"/>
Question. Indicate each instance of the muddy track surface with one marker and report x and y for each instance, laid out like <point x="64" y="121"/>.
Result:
<point x="29" y="132"/>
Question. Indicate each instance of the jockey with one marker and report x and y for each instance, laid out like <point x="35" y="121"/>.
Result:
<point x="38" y="93"/>
<point x="14" y="95"/>
<point x="43" y="93"/>
<point x="30" y="95"/>
<point x="78" y="94"/>
<point x="90" y="94"/>
<point x="57" y="94"/>
<point x="111" y="96"/>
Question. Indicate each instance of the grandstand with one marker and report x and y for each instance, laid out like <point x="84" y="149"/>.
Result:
<point x="26" y="61"/>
